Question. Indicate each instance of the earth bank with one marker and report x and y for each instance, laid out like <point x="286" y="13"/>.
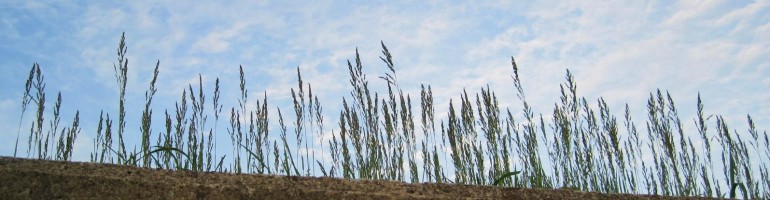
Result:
<point x="41" y="179"/>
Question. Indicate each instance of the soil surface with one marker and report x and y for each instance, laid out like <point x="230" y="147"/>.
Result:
<point x="40" y="179"/>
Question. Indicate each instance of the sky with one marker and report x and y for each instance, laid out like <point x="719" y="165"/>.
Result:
<point x="618" y="50"/>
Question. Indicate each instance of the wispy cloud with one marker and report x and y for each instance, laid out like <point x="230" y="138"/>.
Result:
<point x="619" y="50"/>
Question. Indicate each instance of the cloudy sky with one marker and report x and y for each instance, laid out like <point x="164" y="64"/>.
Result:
<point x="618" y="50"/>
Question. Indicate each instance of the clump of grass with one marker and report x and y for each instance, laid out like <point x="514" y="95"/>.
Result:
<point x="26" y="100"/>
<point x="477" y="142"/>
<point x="39" y="144"/>
<point x="36" y="130"/>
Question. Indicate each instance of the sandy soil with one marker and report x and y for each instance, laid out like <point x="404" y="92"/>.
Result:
<point x="38" y="179"/>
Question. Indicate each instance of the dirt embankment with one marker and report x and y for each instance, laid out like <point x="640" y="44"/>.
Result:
<point x="38" y="179"/>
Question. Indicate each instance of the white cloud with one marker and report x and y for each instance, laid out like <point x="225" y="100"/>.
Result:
<point x="9" y="27"/>
<point x="689" y="10"/>
<point x="219" y="41"/>
<point x="741" y="14"/>
<point x="96" y="19"/>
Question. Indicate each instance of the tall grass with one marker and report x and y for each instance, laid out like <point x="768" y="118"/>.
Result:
<point x="477" y="142"/>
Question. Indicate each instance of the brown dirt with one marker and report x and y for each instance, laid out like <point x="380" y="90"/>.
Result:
<point x="39" y="179"/>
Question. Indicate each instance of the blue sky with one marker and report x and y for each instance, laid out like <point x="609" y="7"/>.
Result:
<point x="618" y="50"/>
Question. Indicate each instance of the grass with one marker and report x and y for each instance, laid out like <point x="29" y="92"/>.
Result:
<point x="479" y="143"/>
